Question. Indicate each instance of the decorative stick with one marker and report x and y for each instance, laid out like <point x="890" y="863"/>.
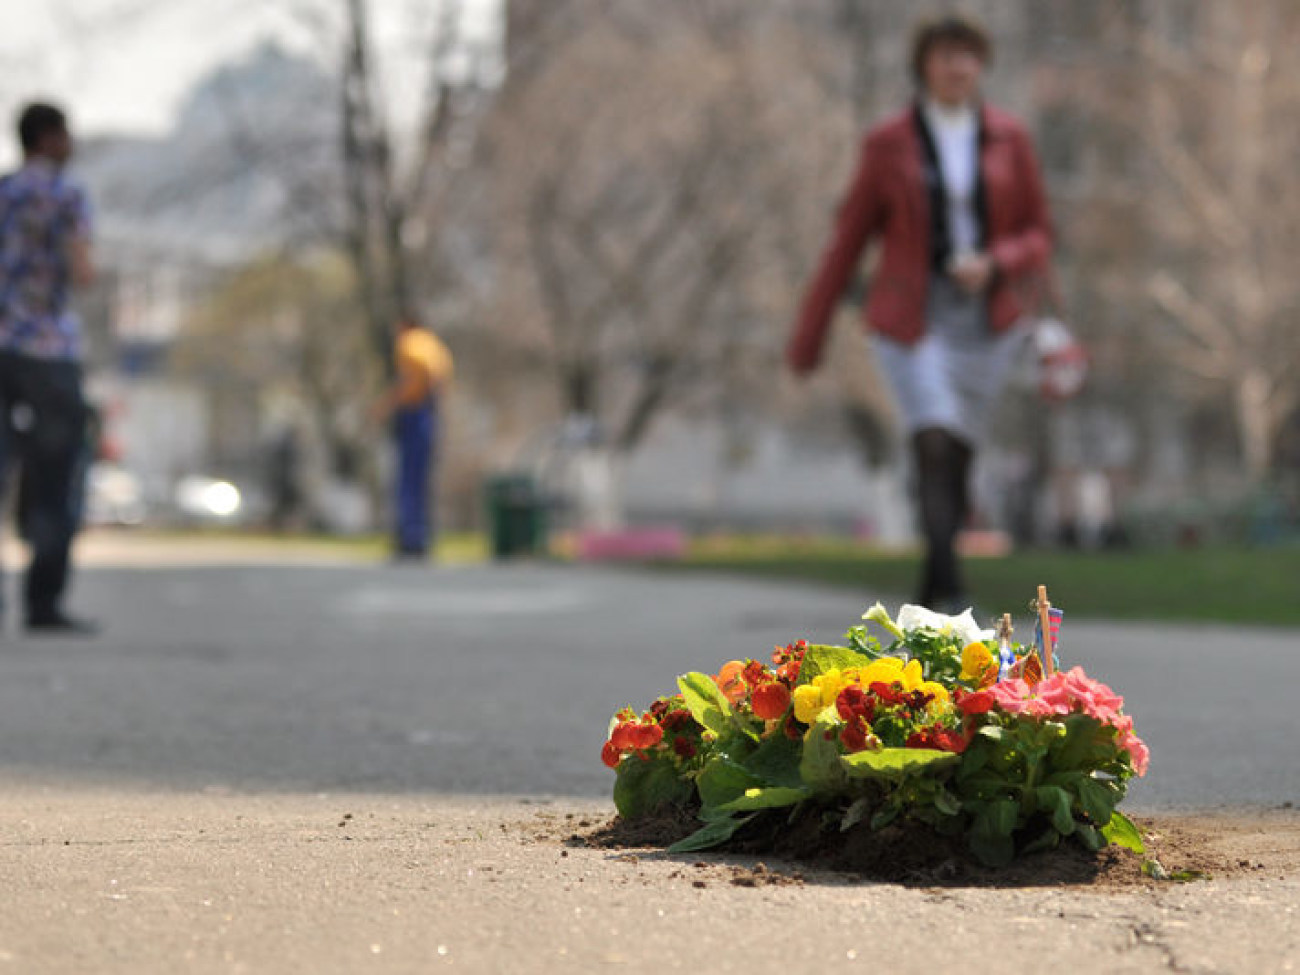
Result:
<point x="1045" y="621"/>
<point x="1006" y="656"/>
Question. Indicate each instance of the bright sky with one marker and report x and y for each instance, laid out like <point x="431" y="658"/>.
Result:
<point x="125" y="65"/>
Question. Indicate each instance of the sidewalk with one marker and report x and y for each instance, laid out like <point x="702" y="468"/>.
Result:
<point x="145" y="884"/>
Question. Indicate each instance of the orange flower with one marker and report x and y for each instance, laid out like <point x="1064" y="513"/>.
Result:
<point x="610" y="754"/>
<point x="731" y="681"/>
<point x="771" y="700"/>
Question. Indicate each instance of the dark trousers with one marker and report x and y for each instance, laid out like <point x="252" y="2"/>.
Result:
<point x="44" y="417"/>
<point x="943" y="466"/>
<point x="416" y="430"/>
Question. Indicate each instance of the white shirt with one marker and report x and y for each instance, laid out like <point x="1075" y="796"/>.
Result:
<point x="956" y="140"/>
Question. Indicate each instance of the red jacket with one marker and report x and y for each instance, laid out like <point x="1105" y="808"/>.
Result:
<point x="888" y="199"/>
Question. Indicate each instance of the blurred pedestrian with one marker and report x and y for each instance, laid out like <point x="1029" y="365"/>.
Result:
<point x="423" y="370"/>
<point x="45" y="252"/>
<point x="952" y="189"/>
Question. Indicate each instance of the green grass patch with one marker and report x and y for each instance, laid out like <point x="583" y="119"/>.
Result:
<point x="452" y="548"/>
<point x="1220" y="585"/>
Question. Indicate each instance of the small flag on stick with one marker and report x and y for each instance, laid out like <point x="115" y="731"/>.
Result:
<point x="1049" y="623"/>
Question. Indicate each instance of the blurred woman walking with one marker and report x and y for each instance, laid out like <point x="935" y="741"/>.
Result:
<point x="952" y="189"/>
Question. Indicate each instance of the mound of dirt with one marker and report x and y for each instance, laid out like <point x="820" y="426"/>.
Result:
<point x="1222" y="846"/>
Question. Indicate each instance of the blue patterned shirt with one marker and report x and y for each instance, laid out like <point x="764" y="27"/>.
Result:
<point x="41" y="213"/>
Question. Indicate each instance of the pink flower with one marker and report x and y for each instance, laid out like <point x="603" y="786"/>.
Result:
<point x="1038" y="707"/>
<point x="1097" y="699"/>
<point x="1137" y="752"/>
<point x="1010" y="695"/>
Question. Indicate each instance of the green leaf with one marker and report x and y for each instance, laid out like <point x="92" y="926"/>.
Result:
<point x="1098" y="799"/>
<point x="820" y="659"/>
<point x="713" y="833"/>
<point x="759" y="798"/>
<point x="1122" y="832"/>
<point x="999" y="817"/>
<point x="820" y="767"/>
<point x="776" y="761"/>
<point x="854" y="814"/>
<point x="707" y="704"/>
<point x="1156" y="871"/>
<point x="895" y="764"/>
<point x="863" y="642"/>
<point x="986" y="785"/>
<point x="973" y="759"/>
<point x="1049" y="839"/>
<point x="885" y="816"/>
<point x="947" y="803"/>
<point x="722" y="781"/>
<point x="1056" y="802"/>
<point x="644" y="785"/>
<point x="1081" y="735"/>
<point x="1089" y="836"/>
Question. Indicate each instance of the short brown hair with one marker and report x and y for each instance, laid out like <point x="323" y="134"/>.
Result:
<point x="948" y="29"/>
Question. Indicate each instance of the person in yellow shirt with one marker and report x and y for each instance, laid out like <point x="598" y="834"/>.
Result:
<point x="423" y="368"/>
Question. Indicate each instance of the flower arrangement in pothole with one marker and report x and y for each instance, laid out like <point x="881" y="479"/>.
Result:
<point x="945" y="727"/>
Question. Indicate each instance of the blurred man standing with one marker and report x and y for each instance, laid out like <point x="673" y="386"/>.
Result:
<point x="44" y="253"/>
<point x="423" y="367"/>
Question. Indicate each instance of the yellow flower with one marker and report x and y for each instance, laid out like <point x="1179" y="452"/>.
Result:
<point x="976" y="663"/>
<point x="807" y="703"/>
<point x="886" y="670"/>
<point x="911" y="676"/>
<point x="938" y="690"/>
<point x="831" y="683"/>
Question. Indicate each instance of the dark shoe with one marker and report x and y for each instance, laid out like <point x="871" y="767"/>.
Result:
<point x="60" y="624"/>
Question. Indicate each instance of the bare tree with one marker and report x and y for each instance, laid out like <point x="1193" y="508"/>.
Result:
<point x="1220" y="210"/>
<point x="390" y="205"/>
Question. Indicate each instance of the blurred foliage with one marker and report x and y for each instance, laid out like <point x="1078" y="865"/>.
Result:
<point x="1220" y="584"/>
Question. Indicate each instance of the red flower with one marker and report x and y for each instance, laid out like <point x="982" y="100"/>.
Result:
<point x="789" y="661"/>
<point x="918" y="699"/>
<point x="610" y="754"/>
<point x="674" y="720"/>
<point x="646" y="736"/>
<point x="919" y="739"/>
<point x="937" y="737"/>
<point x="977" y="702"/>
<point x="857" y="736"/>
<point x="755" y="674"/>
<point x="770" y="700"/>
<point x="624" y="737"/>
<point x="950" y="741"/>
<point x="852" y="702"/>
<point x="683" y="747"/>
<point x="791" y="728"/>
<point x="889" y="693"/>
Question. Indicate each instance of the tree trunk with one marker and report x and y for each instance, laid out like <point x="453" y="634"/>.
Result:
<point x="1256" y="423"/>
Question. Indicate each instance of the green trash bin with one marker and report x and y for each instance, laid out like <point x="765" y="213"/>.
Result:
<point x="516" y="516"/>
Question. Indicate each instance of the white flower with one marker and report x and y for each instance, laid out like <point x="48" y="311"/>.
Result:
<point x="963" y="627"/>
<point x="880" y="616"/>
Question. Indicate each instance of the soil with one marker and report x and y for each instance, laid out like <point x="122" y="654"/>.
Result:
<point x="1222" y="846"/>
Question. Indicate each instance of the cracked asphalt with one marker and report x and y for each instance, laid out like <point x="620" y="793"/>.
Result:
<point x="173" y="791"/>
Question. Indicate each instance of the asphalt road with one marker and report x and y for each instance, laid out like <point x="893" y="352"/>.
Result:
<point x="501" y="681"/>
